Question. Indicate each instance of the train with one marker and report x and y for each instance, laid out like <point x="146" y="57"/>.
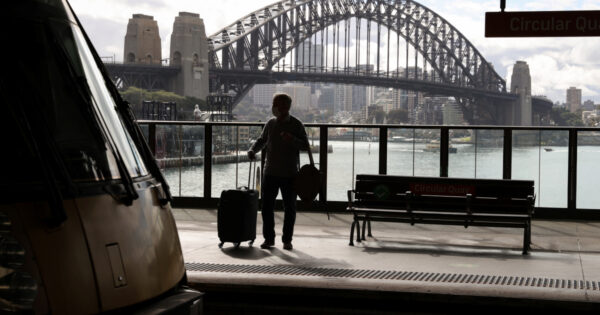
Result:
<point x="86" y="224"/>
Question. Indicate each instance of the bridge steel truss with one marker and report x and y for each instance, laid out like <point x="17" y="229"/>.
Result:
<point x="256" y="47"/>
<point x="145" y="76"/>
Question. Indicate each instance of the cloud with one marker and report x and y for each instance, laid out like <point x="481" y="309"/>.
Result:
<point x="106" y="35"/>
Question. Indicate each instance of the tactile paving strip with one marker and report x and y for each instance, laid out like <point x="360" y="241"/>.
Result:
<point x="397" y="275"/>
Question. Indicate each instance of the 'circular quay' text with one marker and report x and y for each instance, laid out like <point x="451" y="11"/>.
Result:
<point x="579" y="24"/>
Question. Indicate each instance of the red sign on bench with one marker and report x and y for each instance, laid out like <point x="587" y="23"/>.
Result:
<point x="441" y="189"/>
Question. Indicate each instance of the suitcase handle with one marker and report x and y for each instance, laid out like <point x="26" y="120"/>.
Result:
<point x="250" y="175"/>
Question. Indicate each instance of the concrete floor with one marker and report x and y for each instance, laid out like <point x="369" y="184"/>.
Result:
<point x="568" y="251"/>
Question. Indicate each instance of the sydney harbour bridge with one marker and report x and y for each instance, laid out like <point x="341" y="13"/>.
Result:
<point x="399" y="44"/>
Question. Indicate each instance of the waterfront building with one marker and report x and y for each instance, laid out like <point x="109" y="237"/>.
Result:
<point x="327" y="98"/>
<point x="414" y="100"/>
<point x="300" y="94"/>
<point x="262" y="94"/>
<point x="431" y="113"/>
<point x="343" y="98"/>
<point x="573" y="99"/>
<point x="588" y="105"/>
<point x="452" y="115"/>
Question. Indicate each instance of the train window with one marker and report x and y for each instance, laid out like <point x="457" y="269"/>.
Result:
<point x="105" y="104"/>
<point x="59" y="111"/>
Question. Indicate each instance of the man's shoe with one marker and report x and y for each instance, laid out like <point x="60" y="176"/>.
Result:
<point x="267" y="245"/>
<point x="288" y="246"/>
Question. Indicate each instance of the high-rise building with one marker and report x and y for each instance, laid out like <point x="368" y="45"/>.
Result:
<point x="300" y="94"/>
<point x="343" y="98"/>
<point x="362" y="96"/>
<point x="142" y="40"/>
<point x="262" y="94"/>
<point x="573" y="99"/>
<point x="327" y="99"/>
<point x="309" y="57"/>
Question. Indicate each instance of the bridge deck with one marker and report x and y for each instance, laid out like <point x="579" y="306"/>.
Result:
<point x="427" y="267"/>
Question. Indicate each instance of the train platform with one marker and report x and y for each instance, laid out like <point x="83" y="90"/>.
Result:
<point x="401" y="269"/>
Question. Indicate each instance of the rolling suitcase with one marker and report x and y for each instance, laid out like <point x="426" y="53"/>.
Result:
<point x="236" y="214"/>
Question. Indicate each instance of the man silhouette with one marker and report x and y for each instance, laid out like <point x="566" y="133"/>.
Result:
<point x="283" y="136"/>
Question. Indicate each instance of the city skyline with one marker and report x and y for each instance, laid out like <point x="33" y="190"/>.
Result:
<point x="554" y="68"/>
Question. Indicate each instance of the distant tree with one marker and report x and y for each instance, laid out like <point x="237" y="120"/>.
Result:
<point x="185" y="104"/>
<point x="562" y="117"/>
<point x="379" y="116"/>
<point x="397" y="116"/>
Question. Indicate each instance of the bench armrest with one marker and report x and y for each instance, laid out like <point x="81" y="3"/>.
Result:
<point x="351" y="194"/>
<point x="531" y="200"/>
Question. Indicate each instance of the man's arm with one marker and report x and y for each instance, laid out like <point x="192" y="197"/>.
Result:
<point x="301" y="141"/>
<point x="260" y="143"/>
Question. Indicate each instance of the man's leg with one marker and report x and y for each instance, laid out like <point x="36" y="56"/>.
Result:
<point x="289" y="206"/>
<point x="270" y="189"/>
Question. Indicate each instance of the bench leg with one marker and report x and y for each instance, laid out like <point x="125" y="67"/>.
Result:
<point x="358" y="239"/>
<point x="363" y="228"/>
<point x="352" y="232"/>
<point x="369" y="222"/>
<point x="527" y="239"/>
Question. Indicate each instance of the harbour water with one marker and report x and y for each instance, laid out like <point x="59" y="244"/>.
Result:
<point x="546" y="165"/>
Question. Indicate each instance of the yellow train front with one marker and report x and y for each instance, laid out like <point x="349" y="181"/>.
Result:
<point x="85" y="221"/>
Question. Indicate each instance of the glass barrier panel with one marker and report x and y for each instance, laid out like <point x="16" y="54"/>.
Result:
<point x="489" y="147"/>
<point x="192" y="161"/>
<point x="401" y="151"/>
<point x="554" y="169"/>
<point x="588" y="169"/>
<point x="226" y="159"/>
<point x="427" y="152"/>
<point x="462" y="153"/>
<point x="145" y="131"/>
<point x="168" y="155"/>
<point x="354" y="151"/>
<point x="526" y="152"/>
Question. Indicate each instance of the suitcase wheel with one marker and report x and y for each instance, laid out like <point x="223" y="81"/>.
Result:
<point x="237" y="245"/>
<point x="251" y="243"/>
<point x="221" y="245"/>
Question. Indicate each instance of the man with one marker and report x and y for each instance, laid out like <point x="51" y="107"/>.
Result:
<point x="284" y="136"/>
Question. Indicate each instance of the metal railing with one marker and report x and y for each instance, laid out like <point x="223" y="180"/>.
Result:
<point x="516" y="146"/>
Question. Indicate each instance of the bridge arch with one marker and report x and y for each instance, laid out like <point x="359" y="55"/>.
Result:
<point x="258" y="41"/>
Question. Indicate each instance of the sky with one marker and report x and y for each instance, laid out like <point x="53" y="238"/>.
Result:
<point x="555" y="63"/>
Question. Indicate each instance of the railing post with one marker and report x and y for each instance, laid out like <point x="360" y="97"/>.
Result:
<point x="572" y="173"/>
<point x="323" y="151"/>
<point x="507" y="154"/>
<point x="444" y="143"/>
<point x="383" y="131"/>
<point x="207" y="160"/>
<point x="152" y="138"/>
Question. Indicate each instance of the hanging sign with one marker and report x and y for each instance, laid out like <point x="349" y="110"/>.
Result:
<point x="542" y="24"/>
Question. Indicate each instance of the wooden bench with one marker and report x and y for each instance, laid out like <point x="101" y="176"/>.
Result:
<point x="445" y="201"/>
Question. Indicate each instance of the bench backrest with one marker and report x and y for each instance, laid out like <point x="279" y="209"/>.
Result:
<point x="441" y="193"/>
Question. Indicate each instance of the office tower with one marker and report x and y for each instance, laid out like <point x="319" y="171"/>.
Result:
<point x="573" y="99"/>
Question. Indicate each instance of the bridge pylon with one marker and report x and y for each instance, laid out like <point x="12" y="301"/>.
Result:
<point x="189" y="50"/>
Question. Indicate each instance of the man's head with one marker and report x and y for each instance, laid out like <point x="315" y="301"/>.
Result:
<point x="281" y="105"/>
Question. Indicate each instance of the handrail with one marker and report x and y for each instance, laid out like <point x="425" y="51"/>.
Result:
<point x="389" y="126"/>
<point x="508" y="132"/>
